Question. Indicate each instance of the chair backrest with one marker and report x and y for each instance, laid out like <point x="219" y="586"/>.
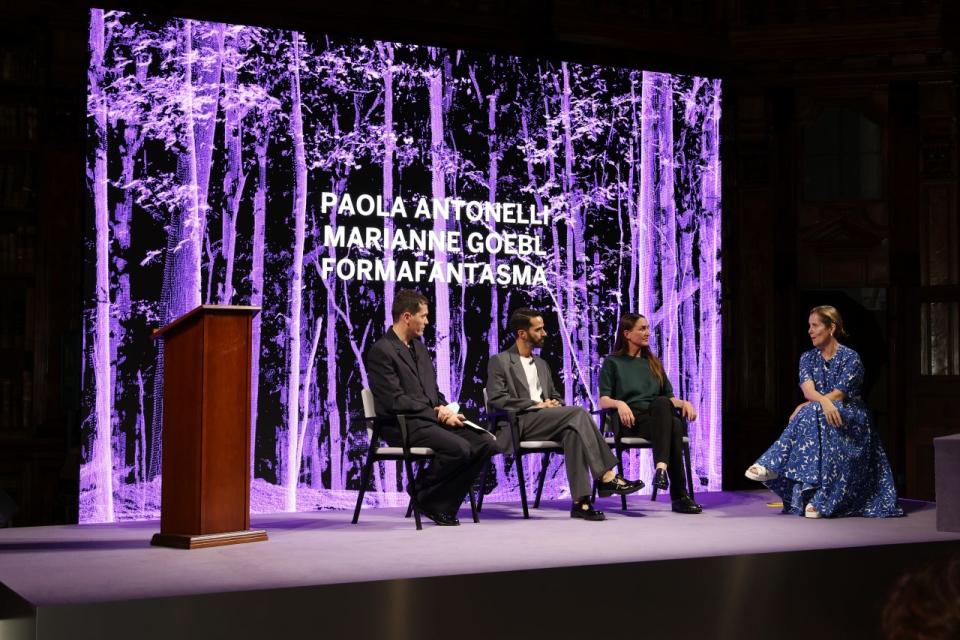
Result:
<point x="486" y="404"/>
<point x="368" y="408"/>
<point x="601" y="419"/>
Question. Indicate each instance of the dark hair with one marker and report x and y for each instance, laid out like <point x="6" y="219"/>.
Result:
<point x="925" y="603"/>
<point x="830" y="317"/>
<point x="521" y="318"/>
<point x="406" y="300"/>
<point x="627" y="322"/>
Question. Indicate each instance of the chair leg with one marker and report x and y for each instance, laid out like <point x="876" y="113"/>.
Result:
<point x="522" y="481"/>
<point x="412" y="489"/>
<point x="686" y="460"/>
<point x="483" y="484"/>
<point x="364" y="479"/>
<point x="653" y="496"/>
<point x="473" y="506"/>
<point x="544" y="464"/>
<point x="623" y="471"/>
<point x="410" y="502"/>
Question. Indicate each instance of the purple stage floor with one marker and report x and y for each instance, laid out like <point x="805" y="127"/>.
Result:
<point x="80" y="564"/>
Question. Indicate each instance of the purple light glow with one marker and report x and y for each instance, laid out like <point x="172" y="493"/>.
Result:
<point x="210" y="145"/>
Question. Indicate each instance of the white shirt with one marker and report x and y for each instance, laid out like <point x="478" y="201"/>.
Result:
<point x="533" y="378"/>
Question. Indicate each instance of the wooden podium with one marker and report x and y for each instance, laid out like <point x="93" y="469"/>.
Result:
<point x="205" y="495"/>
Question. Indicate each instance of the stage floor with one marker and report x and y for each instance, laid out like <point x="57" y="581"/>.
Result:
<point x="80" y="564"/>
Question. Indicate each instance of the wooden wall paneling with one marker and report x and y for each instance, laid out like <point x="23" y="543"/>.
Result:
<point x="932" y="406"/>
<point x="902" y="322"/>
<point x="785" y="185"/>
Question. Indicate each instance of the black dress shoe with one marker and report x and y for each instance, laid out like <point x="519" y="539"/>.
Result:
<point x="660" y="480"/>
<point x="619" y="486"/>
<point x="585" y="511"/>
<point x="686" y="505"/>
<point x="440" y="519"/>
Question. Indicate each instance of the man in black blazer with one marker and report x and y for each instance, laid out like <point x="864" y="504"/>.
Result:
<point x="403" y="380"/>
<point x="519" y="381"/>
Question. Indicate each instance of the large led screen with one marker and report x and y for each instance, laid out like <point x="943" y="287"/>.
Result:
<point x="314" y="176"/>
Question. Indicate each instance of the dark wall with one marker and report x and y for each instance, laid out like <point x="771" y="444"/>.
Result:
<point x="813" y="212"/>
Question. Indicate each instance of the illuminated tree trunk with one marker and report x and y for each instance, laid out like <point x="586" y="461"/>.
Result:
<point x="207" y="70"/>
<point x="333" y="391"/>
<point x="577" y="324"/>
<point x="647" y="224"/>
<point x="689" y="351"/>
<point x="441" y="302"/>
<point x="234" y="179"/>
<point x="291" y="465"/>
<point x="710" y="320"/>
<point x="493" y="155"/>
<point x="122" y="316"/>
<point x="388" y="469"/>
<point x="389" y="149"/>
<point x="561" y="291"/>
<point x="669" y="336"/>
<point x="307" y="390"/>
<point x="647" y="200"/>
<point x="102" y="458"/>
<point x="182" y="266"/>
<point x="634" y="205"/>
<point x="261" y="146"/>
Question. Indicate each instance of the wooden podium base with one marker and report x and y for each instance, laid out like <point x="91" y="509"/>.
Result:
<point x="199" y="541"/>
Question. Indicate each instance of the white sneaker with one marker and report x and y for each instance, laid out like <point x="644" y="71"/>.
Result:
<point x="760" y="473"/>
<point x="811" y="512"/>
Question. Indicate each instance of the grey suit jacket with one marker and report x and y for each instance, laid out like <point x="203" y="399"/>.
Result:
<point x="507" y="383"/>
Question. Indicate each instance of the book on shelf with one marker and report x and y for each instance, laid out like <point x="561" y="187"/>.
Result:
<point x="16" y="183"/>
<point x="17" y="251"/>
<point x="16" y="401"/>
<point x="19" y="65"/>
<point x="19" y="122"/>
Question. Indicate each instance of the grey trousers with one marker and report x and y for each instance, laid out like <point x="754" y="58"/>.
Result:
<point x="586" y="454"/>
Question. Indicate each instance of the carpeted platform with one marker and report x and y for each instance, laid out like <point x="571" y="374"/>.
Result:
<point x="54" y="567"/>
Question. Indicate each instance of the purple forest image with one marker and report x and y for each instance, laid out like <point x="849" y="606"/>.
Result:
<point x="314" y="176"/>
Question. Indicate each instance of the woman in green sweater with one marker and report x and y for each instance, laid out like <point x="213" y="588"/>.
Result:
<point x="633" y="382"/>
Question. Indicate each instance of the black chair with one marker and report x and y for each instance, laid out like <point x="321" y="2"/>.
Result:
<point x="405" y="453"/>
<point x="620" y="444"/>
<point x="521" y="448"/>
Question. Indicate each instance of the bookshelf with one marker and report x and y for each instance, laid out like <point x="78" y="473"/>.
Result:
<point x="41" y="213"/>
<point x="21" y="85"/>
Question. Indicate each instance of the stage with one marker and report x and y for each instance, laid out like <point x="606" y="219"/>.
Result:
<point x="739" y="565"/>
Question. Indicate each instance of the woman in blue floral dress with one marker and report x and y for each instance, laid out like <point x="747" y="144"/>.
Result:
<point x="828" y="461"/>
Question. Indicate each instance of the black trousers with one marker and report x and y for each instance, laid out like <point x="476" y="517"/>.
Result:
<point x="459" y="455"/>
<point x="666" y="431"/>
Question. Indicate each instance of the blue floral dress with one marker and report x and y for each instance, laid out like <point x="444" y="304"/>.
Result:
<point x="842" y="471"/>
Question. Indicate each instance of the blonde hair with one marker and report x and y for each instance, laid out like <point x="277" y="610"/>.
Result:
<point x="831" y="318"/>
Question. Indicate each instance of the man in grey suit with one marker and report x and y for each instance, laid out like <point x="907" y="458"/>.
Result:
<point x="519" y="381"/>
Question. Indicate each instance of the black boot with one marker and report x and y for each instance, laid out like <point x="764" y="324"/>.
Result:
<point x="660" y="479"/>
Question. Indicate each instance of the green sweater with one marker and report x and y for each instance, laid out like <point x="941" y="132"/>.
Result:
<point x="630" y="379"/>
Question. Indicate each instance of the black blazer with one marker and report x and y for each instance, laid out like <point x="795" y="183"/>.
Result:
<point x="399" y="384"/>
